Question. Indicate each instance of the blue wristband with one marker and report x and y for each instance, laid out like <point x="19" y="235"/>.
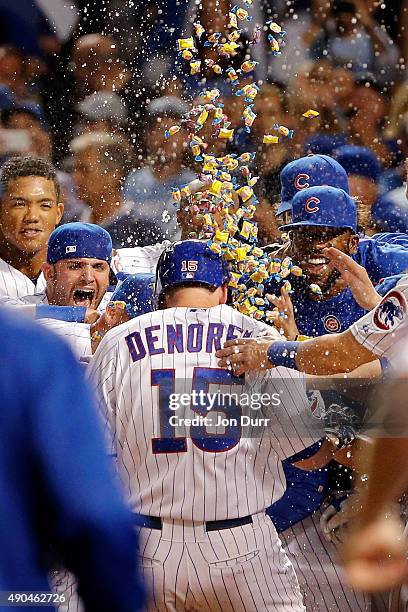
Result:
<point x="72" y="314"/>
<point x="283" y="354"/>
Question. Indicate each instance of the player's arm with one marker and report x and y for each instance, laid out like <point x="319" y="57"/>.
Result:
<point x="71" y="314"/>
<point x="331" y="354"/>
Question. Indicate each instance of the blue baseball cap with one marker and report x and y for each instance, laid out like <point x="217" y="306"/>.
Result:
<point x="192" y="261"/>
<point x="390" y="215"/>
<point x="359" y="160"/>
<point x="324" y="143"/>
<point x="79" y="240"/>
<point x="310" y="171"/>
<point x="323" y="207"/>
<point x="137" y="290"/>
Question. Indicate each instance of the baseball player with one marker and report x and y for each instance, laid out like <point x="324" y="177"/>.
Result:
<point x="58" y="489"/>
<point x="30" y="208"/>
<point x="200" y="497"/>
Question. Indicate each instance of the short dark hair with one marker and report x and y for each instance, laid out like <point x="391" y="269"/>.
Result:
<point x="16" y="167"/>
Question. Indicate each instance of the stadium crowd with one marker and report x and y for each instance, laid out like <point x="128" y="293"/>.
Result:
<point x="101" y="180"/>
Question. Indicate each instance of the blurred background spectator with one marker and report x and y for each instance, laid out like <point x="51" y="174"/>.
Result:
<point x="70" y="69"/>
<point x="150" y="186"/>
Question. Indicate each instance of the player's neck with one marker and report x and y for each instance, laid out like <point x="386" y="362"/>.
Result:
<point x="105" y="206"/>
<point x="196" y="297"/>
<point x="29" y="264"/>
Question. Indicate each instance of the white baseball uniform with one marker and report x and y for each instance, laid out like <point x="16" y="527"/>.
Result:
<point x="187" y="481"/>
<point x="14" y="283"/>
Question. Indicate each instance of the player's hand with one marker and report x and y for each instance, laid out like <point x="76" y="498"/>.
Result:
<point x="245" y="354"/>
<point x="375" y="556"/>
<point x="285" y="321"/>
<point x="355" y="277"/>
<point x="114" y="315"/>
<point x="91" y="315"/>
<point x="333" y="522"/>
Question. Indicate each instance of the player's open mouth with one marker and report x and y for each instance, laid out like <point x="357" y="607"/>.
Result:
<point x="84" y="297"/>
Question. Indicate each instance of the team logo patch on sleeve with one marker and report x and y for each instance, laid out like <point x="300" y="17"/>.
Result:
<point x="331" y="324"/>
<point x="390" y="312"/>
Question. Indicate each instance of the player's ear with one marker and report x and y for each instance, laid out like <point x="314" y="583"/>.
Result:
<point x="223" y="294"/>
<point x="48" y="271"/>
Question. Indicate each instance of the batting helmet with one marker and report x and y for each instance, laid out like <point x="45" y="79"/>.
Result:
<point x="191" y="261"/>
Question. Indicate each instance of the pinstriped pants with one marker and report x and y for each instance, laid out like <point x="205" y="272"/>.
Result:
<point x="230" y="570"/>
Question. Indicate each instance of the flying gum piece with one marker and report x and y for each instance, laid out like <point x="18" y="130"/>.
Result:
<point x="195" y="67"/>
<point x="315" y="289"/>
<point x="245" y="192"/>
<point x="242" y="14"/>
<point x="249" y="117"/>
<point x="187" y="55"/>
<point x="233" y="21"/>
<point x="248" y="66"/>
<point x="233" y="36"/>
<point x="172" y="130"/>
<point x="199" y="30"/>
<point x="311" y="113"/>
<point x="232" y="74"/>
<point x="275" y="48"/>
<point x="185" y="43"/>
<point x="228" y="49"/>
<point x="284" y="131"/>
<point x="270" y="139"/>
<point x="226" y="134"/>
<point x="213" y="38"/>
<point x="201" y="119"/>
<point x="274" y="27"/>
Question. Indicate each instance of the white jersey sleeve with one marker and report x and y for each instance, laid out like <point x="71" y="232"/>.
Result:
<point x="380" y="330"/>
<point x="77" y="335"/>
<point x="138" y="260"/>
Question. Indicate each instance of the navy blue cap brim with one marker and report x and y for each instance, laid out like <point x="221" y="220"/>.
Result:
<point x="283" y="207"/>
<point x="290" y="226"/>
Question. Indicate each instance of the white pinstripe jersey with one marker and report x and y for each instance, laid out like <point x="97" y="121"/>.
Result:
<point x="381" y="330"/>
<point x="77" y="336"/>
<point x="179" y="478"/>
<point x="14" y="283"/>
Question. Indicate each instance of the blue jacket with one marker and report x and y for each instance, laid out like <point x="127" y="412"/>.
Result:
<point x="57" y="496"/>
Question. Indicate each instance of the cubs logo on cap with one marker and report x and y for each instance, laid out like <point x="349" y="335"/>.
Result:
<point x="309" y="171"/>
<point x="390" y="311"/>
<point x="323" y="207"/>
<point x="301" y="181"/>
<point x="331" y="324"/>
<point x="310" y="205"/>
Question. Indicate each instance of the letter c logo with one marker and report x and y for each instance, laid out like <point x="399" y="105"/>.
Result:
<point x="309" y="205"/>
<point x="301" y="181"/>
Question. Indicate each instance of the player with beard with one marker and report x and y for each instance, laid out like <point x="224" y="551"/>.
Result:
<point x="322" y="301"/>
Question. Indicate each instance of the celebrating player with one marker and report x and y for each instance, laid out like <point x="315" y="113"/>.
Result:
<point x="200" y="497"/>
<point x="322" y="218"/>
<point x="62" y="505"/>
<point x="30" y="208"/>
